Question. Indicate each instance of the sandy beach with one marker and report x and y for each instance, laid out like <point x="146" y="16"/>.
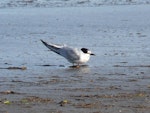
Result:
<point x="35" y="80"/>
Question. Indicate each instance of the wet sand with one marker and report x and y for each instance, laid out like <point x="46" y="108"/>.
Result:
<point x="35" y="80"/>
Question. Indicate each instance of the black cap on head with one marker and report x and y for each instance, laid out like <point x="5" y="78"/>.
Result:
<point x="84" y="50"/>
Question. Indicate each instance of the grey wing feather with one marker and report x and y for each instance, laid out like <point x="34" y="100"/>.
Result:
<point x="71" y="55"/>
<point x="52" y="47"/>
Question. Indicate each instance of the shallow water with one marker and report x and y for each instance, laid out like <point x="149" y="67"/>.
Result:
<point x="118" y="35"/>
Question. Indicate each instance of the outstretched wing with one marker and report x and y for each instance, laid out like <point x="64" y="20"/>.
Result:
<point x="72" y="55"/>
<point x="52" y="47"/>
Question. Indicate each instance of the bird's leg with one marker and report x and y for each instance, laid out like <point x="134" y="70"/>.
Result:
<point x="75" y="65"/>
<point x="78" y="65"/>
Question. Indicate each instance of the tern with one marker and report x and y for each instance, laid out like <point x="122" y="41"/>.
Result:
<point x="73" y="55"/>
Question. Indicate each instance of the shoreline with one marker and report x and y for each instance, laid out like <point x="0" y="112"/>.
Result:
<point x="68" y="3"/>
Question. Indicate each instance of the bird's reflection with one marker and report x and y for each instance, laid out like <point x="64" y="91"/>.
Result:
<point x="80" y="69"/>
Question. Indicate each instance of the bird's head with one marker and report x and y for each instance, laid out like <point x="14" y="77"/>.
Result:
<point x="86" y="51"/>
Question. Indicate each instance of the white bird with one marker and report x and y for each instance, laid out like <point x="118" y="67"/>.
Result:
<point x="73" y="55"/>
